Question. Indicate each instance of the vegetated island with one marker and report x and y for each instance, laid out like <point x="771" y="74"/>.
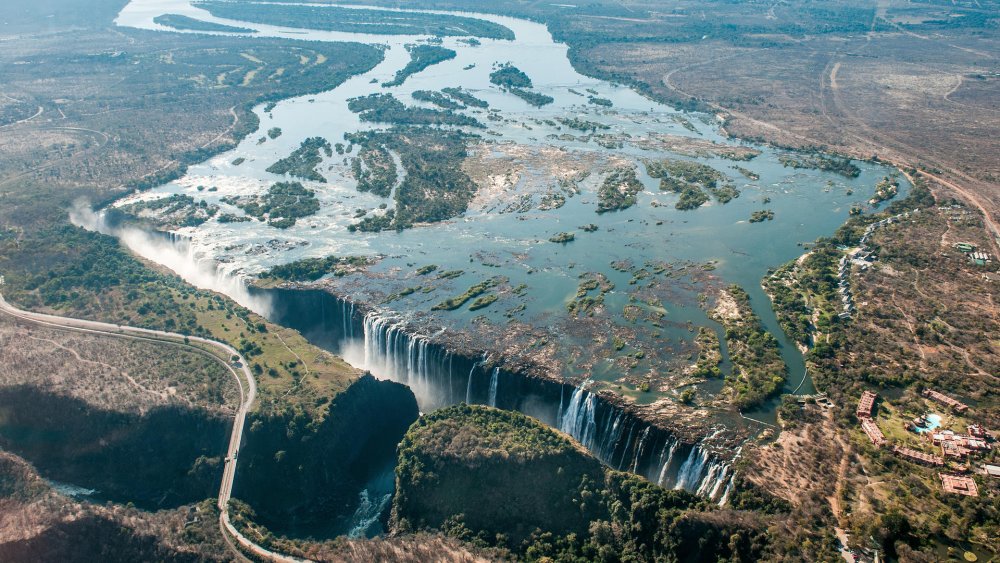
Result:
<point x="513" y="80"/>
<point x="437" y="98"/>
<point x="375" y="170"/>
<point x="312" y="269"/>
<point x="303" y="161"/>
<point x="185" y="23"/>
<point x="356" y="20"/>
<point x="501" y="479"/>
<point x="842" y="166"/>
<point x="691" y="180"/>
<point x="758" y="371"/>
<point x="480" y="288"/>
<point x="434" y="186"/>
<point x="618" y="190"/>
<point x="421" y="57"/>
<point x="282" y="205"/>
<point x="171" y="212"/>
<point x="465" y="97"/>
<point x="386" y="108"/>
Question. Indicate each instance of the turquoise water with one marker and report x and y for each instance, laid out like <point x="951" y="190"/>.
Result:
<point x="933" y="421"/>
<point x="701" y="250"/>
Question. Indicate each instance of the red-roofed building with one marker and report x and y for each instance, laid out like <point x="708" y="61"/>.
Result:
<point x="873" y="432"/>
<point x="866" y="405"/>
<point x="918" y="456"/>
<point x="959" y="484"/>
<point x="955" y="404"/>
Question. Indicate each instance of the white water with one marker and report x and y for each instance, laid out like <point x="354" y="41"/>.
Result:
<point x="201" y="272"/>
<point x="494" y="381"/>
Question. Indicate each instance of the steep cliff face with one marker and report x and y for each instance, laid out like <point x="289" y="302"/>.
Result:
<point x="503" y="479"/>
<point x="302" y="476"/>
<point x="38" y="523"/>
<point x="503" y="472"/>
<point x="166" y="457"/>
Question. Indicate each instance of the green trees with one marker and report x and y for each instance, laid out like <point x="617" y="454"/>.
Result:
<point x="303" y="161"/>
<point x="385" y="108"/>
<point x="500" y="479"/>
<point x="513" y="80"/>
<point x="691" y="180"/>
<point x="618" y="190"/>
<point x="434" y="188"/>
<point x="283" y="204"/>
<point x="421" y="57"/>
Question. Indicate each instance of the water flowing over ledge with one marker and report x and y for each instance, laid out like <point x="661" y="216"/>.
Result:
<point x="387" y="346"/>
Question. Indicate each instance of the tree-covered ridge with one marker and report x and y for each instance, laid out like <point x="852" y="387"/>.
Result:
<point x="178" y="21"/>
<point x="421" y="57"/>
<point x="282" y="205"/>
<point x="356" y="20"/>
<point x="501" y="479"/>
<point x="386" y="108"/>
<point x="303" y="161"/>
<point x="473" y="434"/>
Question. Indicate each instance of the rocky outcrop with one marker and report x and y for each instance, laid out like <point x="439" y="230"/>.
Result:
<point x="502" y="479"/>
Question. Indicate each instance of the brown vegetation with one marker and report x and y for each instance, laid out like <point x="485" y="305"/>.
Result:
<point x="39" y="524"/>
<point x="111" y="373"/>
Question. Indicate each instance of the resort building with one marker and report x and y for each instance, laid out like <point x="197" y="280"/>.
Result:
<point x="918" y="456"/>
<point x="873" y="432"/>
<point x="959" y="484"/>
<point x="956" y="405"/>
<point x="866" y="404"/>
<point x="978" y="431"/>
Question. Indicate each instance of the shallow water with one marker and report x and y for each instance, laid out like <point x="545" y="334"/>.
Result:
<point x="484" y="243"/>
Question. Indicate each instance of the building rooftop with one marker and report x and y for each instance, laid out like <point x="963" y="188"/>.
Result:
<point x="873" y="432"/>
<point x="866" y="404"/>
<point x="918" y="456"/>
<point x="945" y="400"/>
<point x="959" y="484"/>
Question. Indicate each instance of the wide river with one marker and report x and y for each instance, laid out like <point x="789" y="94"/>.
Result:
<point x="518" y="164"/>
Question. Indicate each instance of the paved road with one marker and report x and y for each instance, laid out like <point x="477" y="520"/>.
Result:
<point x="247" y="397"/>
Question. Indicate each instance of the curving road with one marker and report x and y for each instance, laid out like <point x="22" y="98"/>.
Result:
<point x="247" y="397"/>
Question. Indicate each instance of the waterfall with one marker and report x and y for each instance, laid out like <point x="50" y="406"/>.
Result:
<point x="177" y="254"/>
<point x="638" y="450"/>
<point x="451" y="385"/>
<point x="616" y="437"/>
<point x="713" y="480"/>
<point x="725" y="495"/>
<point x="668" y="452"/>
<point x="559" y="413"/>
<point x="494" y="381"/>
<point x="579" y="420"/>
<point x="689" y="475"/>
<point x="468" y="387"/>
